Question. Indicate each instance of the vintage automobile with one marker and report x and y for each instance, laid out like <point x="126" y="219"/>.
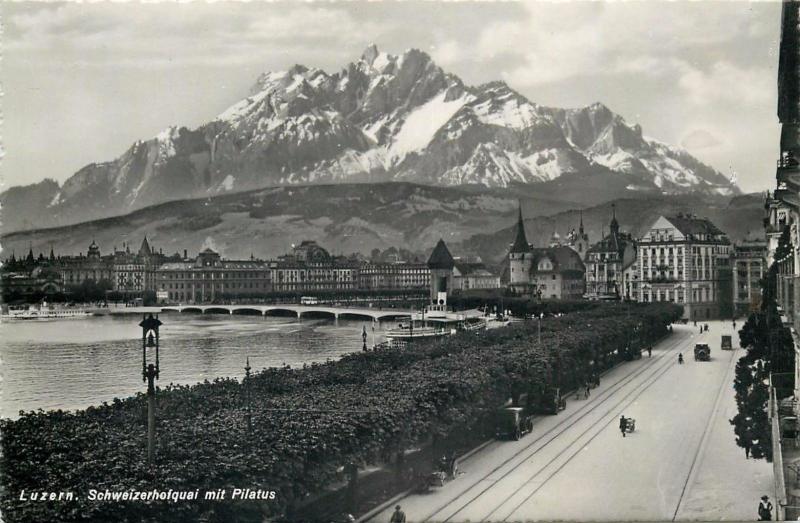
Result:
<point x="548" y="401"/>
<point x="726" y="342"/>
<point x="702" y="352"/>
<point x="631" y="353"/>
<point x="512" y="423"/>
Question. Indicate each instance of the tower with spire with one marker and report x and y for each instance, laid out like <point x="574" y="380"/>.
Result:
<point x="144" y="249"/>
<point x="580" y="240"/>
<point x="520" y="258"/>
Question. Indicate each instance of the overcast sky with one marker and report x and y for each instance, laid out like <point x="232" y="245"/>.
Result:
<point x="82" y="82"/>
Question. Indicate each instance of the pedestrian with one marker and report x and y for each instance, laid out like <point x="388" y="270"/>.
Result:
<point x="623" y="424"/>
<point x="398" y="516"/>
<point x="765" y="509"/>
<point x="588" y="387"/>
<point x="680" y="358"/>
<point x="650" y="351"/>
<point x="747" y="449"/>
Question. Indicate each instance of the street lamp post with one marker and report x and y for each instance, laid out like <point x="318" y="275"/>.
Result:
<point x="364" y="337"/>
<point x="539" y="333"/>
<point x="248" y="415"/>
<point x="150" y="338"/>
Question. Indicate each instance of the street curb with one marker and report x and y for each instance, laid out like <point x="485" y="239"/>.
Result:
<point x="388" y="503"/>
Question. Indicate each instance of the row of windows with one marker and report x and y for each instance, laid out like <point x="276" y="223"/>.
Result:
<point x="233" y="285"/>
<point x="213" y="275"/>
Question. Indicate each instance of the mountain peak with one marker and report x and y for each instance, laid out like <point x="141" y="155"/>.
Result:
<point x="298" y="69"/>
<point x="370" y="53"/>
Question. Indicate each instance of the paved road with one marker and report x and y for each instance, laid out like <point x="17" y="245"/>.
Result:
<point x="681" y="463"/>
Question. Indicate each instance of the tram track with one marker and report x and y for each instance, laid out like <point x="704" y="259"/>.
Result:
<point x="636" y="392"/>
<point x="589" y="408"/>
<point x="706" y="432"/>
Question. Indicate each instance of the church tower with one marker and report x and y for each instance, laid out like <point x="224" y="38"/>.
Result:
<point x="614" y="225"/>
<point x="520" y="259"/>
<point x="581" y="241"/>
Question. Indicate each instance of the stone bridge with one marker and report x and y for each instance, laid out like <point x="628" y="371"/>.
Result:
<point x="298" y="310"/>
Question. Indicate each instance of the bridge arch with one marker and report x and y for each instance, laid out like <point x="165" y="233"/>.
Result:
<point x="197" y="310"/>
<point x="278" y="311"/>
<point x="356" y="316"/>
<point x="247" y="311"/>
<point x="315" y="313"/>
<point x="217" y="310"/>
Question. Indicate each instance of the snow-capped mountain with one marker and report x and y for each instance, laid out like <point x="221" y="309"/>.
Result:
<point x="381" y="118"/>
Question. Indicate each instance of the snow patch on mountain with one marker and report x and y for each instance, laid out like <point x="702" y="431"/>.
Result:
<point x="512" y="113"/>
<point x="619" y="160"/>
<point x="421" y="125"/>
<point x="244" y="107"/>
<point x="544" y="165"/>
<point x="165" y="141"/>
<point x="56" y="199"/>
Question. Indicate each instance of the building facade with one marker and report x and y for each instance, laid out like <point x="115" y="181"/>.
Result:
<point x="547" y="273"/>
<point x="310" y="268"/>
<point x="606" y="264"/>
<point x="684" y="259"/>
<point x="748" y="264"/>
<point x="393" y="276"/>
<point x="94" y="266"/>
<point x="473" y="275"/>
<point x="208" y="279"/>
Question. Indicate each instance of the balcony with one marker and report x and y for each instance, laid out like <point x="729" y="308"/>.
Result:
<point x="788" y="196"/>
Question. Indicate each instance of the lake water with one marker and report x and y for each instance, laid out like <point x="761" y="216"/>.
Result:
<point x="72" y="364"/>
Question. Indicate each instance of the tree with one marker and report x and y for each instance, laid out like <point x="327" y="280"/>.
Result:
<point x="770" y="349"/>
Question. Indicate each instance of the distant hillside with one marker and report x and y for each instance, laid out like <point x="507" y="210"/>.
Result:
<point x="360" y="217"/>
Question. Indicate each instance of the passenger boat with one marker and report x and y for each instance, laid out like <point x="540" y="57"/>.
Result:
<point x="42" y="312"/>
<point x="495" y="322"/>
<point x="433" y="322"/>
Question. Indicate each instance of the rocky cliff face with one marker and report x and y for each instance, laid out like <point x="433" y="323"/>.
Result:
<point x="381" y="118"/>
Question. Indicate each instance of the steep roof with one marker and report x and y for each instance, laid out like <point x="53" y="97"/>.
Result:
<point x="520" y="242"/>
<point x="441" y="257"/>
<point x="613" y="242"/>
<point x="693" y="225"/>
<point x="144" y="250"/>
<point x="563" y="258"/>
<point x="473" y="269"/>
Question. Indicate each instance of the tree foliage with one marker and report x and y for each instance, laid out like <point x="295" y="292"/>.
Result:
<point x="770" y="351"/>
